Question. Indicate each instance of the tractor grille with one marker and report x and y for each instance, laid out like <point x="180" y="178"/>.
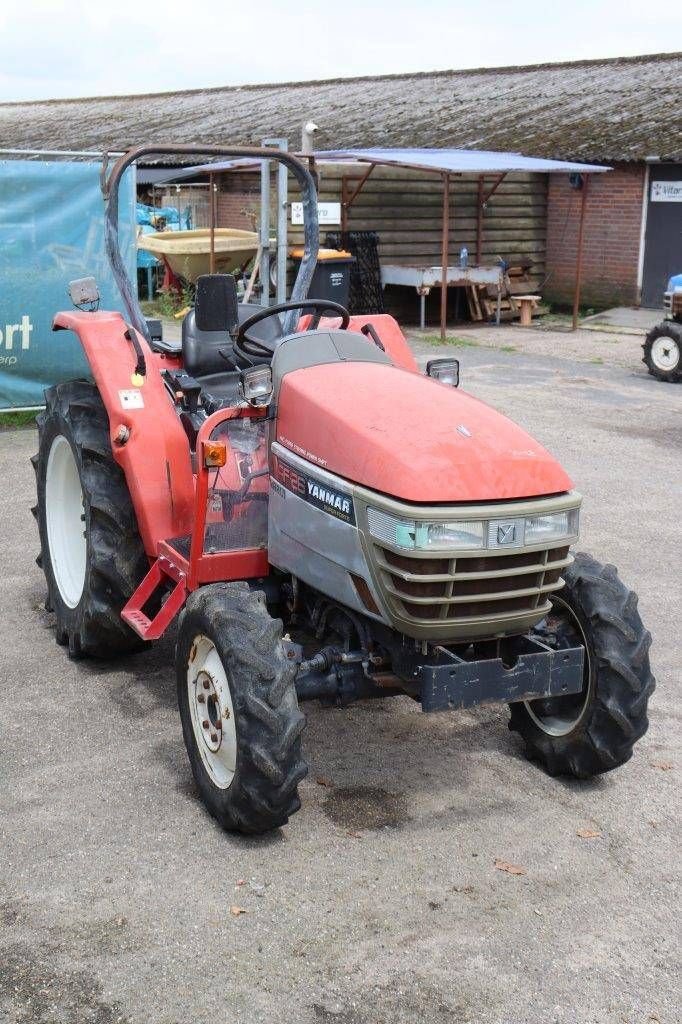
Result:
<point x="453" y="591"/>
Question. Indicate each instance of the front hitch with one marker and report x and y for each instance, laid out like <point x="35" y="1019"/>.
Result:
<point x="534" y="671"/>
<point x="444" y="681"/>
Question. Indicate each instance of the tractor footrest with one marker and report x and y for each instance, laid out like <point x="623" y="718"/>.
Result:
<point x="158" y="578"/>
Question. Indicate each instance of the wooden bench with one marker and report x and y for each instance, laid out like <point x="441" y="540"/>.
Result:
<point x="527" y="304"/>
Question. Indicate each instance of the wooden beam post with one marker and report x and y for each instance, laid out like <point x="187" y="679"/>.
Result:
<point x="579" y="252"/>
<point x="445" y="255"/>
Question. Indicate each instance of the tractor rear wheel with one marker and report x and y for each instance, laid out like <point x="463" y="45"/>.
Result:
<point x="90" y="548"/>
<point x="240" y="716"/>
<point x="663" y="352"/>
<point x="593" y="731"/>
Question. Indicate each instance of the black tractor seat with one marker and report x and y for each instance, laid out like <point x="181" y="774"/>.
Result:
<point x="208" y="353"/>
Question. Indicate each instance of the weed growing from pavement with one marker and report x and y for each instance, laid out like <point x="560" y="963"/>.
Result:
<point x="435" y="339"/>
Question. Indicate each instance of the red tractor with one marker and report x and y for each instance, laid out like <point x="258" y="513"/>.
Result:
<point x="328" y="523"/>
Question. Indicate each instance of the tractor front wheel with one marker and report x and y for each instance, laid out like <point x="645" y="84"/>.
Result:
<point x="240" y="716"/>
<point x="90" y="548"/>
<point x="593" y="731"/>
<point x="663" y="352"/>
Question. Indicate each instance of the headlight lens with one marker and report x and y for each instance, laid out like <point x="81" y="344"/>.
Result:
<point x="471" y="534"/>
<point x="554" y="526"/>
<point x="458" y="534"/>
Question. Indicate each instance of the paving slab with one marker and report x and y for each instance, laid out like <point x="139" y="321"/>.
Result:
<point x="632" y="317"/>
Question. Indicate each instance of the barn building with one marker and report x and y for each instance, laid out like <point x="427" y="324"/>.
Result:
<point x="622" y="112"/>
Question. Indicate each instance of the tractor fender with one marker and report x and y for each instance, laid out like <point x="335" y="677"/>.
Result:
<point x="155" y="456"/>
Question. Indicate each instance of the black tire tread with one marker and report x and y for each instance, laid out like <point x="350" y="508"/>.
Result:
<point x="263" y="794"/>
<point x="617" y="717"/>
<point x="116" y="557"/>
<point x="667" y="329"/>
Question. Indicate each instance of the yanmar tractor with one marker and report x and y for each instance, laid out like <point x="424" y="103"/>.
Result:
<point x="327" y="522"/>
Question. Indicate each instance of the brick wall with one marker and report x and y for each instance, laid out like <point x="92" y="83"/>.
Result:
<point x="611" y="241"/>
<point x="239" y="202"/>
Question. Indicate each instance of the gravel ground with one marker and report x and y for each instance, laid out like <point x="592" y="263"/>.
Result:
<point x="611" y="347"/>
<point x="381" y="901"/>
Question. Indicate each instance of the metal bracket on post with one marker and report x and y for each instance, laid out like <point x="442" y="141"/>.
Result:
<point x="282" y="226"/>
<point x="265" y="231"/>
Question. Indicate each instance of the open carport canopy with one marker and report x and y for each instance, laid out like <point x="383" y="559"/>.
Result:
<point x="457" y="161"/>
<point x="444" y="162"/>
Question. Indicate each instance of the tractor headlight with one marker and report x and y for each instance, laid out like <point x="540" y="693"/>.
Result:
<point x="446" y="371"/>
<point x="554" y="526"/>
<point x="406" y="533"/>
<point x="256" y="385"/>
<point x="450" y="535"/>
<point x="467" y="535"/>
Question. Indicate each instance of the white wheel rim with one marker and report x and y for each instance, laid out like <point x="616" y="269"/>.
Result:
<point x="65" y="520"/>
<point x="665" y="353"/>
<point x="211" y="712"/>
<point x="560" y="725"/>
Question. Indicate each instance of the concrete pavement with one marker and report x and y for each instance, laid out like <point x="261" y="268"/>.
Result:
<point x="381" y="903"/>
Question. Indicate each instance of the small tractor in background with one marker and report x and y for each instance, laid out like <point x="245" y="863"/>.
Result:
<point x="326" y="522"/>
<point x="663" y="344"/>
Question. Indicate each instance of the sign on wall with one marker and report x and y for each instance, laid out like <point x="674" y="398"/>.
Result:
<point x="51" y="232"/>
<point x="327" y="213"/>
<point x="666" y="191"/>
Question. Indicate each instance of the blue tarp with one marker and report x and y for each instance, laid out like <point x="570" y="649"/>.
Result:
<point x="159" y="218"/>
<point x="51" y="232"/>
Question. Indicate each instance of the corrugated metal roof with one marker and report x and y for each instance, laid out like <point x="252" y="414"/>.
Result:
<point x="458" y="161"/>
<point x="455" y="161"/>
<point x="596" y="111"/>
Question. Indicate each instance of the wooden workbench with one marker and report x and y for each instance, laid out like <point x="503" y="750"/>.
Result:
<point x="424" y="278"/>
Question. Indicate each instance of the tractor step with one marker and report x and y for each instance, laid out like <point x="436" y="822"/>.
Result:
<point x="158" y="578"/>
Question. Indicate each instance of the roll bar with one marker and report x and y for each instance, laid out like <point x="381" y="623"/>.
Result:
<point x="110" y="186"/>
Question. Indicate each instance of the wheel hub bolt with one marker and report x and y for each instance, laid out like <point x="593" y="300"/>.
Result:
<point x="218" y="724"/>
<point x="214" y="737"/>
<point x="207" y="685"/>
<point x="205" y="723"/>
<point x="201" y="698"/>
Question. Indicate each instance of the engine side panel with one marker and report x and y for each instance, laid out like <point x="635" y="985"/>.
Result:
<point x="312" y="532"/>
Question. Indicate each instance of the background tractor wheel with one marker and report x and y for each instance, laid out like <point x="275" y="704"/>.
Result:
<point x="90" y="549"/>
<point x="240" y="716"/>
<point x="594" y="731"/>
<point x="663" y="352"/>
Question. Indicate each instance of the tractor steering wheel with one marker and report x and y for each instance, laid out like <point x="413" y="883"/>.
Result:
<point x="257" y="347"/>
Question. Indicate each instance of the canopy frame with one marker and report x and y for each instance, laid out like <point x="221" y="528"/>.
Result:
<point x="445" y="163"/>
<point x="349" y="196"/>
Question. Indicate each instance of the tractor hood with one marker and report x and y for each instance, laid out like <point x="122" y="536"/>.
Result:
<point x="403" y="434"/>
